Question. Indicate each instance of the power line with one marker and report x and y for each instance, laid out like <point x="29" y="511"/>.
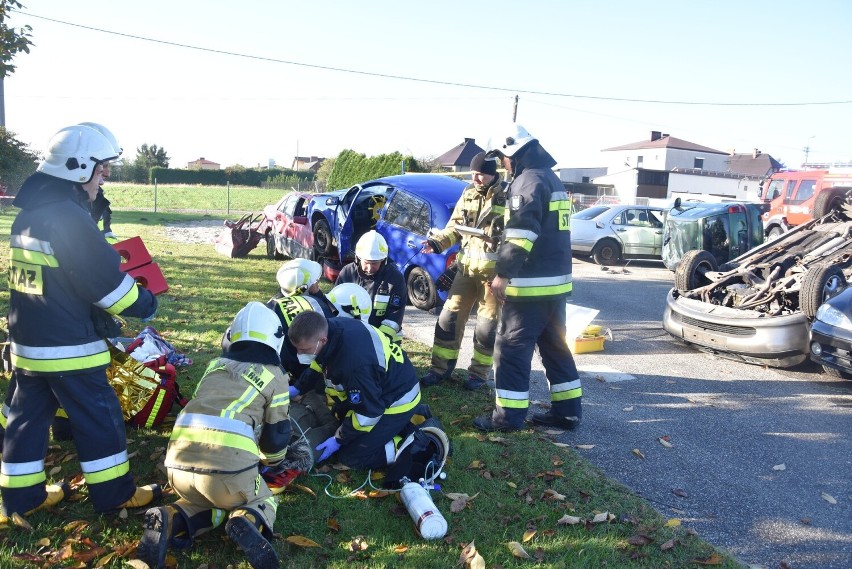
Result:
<point x="430" y="81"/>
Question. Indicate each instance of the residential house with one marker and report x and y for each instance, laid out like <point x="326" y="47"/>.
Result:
<point x="665" y="167"/>
<point x="458" y="158"/>
<point x="304" y="163"/>
<point x="202" y="164"/>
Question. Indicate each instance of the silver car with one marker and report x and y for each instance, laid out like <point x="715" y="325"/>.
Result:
<point x="758" y="307"/>
<point x="610" y="233"/>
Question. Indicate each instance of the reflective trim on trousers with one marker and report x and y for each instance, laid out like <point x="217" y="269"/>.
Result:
<point x="565" y="391"/>
<point x="513" y="399"/>
<point x="106" y="469"/>
<point x="22" y="474"/>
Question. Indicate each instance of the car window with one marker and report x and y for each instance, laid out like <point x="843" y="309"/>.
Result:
<point x="806" y="190"/>
<point x="637" y="218"/>
<point x="789" y="193"/>
<point x="717" y="237"/>
<point x="301" y="208"/>
<point x="655" y="218"/>
<point x="590" y="213"/>
<point x="289" y="206"/>
<point x="620" y="219"/>
<point x="409" y="212"/>
<point x="282" y="207"/>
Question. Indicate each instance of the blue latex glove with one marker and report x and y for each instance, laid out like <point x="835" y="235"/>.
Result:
<point x="328" y="448"/>
<point x="293" y="392"/>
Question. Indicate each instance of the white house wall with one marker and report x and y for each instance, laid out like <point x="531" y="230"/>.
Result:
<point x="676" y="158"/>
<point x="624" y="182"/>
<point x="711" y="188"/>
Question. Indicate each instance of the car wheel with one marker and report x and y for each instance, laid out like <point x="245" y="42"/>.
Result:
<point x="322" y="239"/>
<point x="818" y="285"/>
<point x="270" y="247"/>
<point x="830" y="200"/>
<point x="774" y="233"/>
<point x="693" y="267"/>
<point x="606" y="252"/>
<point x="422" y="293"/>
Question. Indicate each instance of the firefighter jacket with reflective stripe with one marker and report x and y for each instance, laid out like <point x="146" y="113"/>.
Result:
<point x="480" y="209"/>
<point x="239" y="411"/>
<point x="60" y="268"/>
<point x="375" y="373"/>
<point x="388" y="291"/>
<point x="535" y="253"/>
<point x="287" y="308"/>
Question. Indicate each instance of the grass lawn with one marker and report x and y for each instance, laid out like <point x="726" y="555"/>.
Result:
<point x="520" y="487"/>
<point x="220" y="200"/>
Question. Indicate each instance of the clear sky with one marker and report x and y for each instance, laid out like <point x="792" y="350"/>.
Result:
<point x="564" y="59"/>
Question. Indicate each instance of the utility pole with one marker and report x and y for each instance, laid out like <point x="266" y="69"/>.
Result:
<point x="515" y="110"/>
<point x="807" y="149"/>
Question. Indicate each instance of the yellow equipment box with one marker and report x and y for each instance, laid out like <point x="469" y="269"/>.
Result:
<point x="591" y="340"/>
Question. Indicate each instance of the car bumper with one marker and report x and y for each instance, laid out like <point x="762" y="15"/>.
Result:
<point x="779" y="341"/>
<point x="835" y="346"/>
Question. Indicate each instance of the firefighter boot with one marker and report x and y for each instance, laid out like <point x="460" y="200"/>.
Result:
<point x="243" y="529"/>
<point x="55" y="494"/>
<point x="159" y="528"/>
<point x="143" y="496"/>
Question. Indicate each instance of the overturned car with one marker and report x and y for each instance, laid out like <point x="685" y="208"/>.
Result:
<point x="758" y="307"/>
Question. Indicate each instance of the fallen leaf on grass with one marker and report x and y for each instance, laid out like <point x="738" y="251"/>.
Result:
<point x="55" y="470"/>
<point x="562" y="445"/>
<point x="567" y="520"/>
<point x="673" y="523"/>
<point x="779" y="467"/>
<point x="528" y="535"/>
<point x="302" y="541"/>
<point x="602" y="517"/>
<point x="668" y="545"/>
<point x="333" y="525"/>
<point x="550" y="495"/>
<point x="304" y="489"/>
<point x="638" y="453"/>
<point x="105" y="559"/>
<point x="518" y="550"/>
<point x="665" y="442"/>
<point x="400" y="549"/>
<point x="714" y="559"/>
<point x="471" y="558"/>
<point x="498" y="440"/>
<point x="640" y="539"/>
<point x="828" y="498"/>
<point x="476" y="464"/>
<point x="374" y="494"/>
<point x="359" y="543"/>
<point x="137" y="564"/>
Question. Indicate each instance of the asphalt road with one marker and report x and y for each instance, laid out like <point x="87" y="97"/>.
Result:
<point x="757" y="453"/>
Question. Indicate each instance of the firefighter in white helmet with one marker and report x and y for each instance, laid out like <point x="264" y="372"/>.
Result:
<point x="381" y="279"/>
<point x="60" y="270"/>
<point x="351" y="300"/>
<point x="236" y="422"/>
<point x="101" y="212"/>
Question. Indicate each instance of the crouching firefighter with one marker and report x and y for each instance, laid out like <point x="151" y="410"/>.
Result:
<point x="60" y="270"/>
<point x="237" y="421"/>
<point x="380" y="384"/>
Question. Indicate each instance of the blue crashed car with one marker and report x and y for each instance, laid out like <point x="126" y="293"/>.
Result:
<point x="402" y="209"/>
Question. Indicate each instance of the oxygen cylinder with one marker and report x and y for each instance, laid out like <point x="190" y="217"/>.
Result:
<point x="428" y="520"/>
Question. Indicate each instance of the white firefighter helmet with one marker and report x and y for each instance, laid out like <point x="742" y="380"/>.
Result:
<point x="371" y="247"/>
<point x="351" y="300"/>
<point x="509" y="140"/>
<point x="107" y="134"/>
<point x="74" y="152"/>
<point x="423" y="454"/>
<point x="298" y="275"/>
<point x="257" y="323"/>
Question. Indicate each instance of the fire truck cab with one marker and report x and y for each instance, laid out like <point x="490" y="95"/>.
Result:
<point x="795" y="197"/>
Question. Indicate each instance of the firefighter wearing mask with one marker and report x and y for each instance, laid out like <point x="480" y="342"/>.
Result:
<point x="381" y="386"/>
<point x="381" y="279"/>
<point x="237" y="421"/>
<point x="61" y="273"/>
<point x="533" y="280"/>
<point x="481" y="207"/>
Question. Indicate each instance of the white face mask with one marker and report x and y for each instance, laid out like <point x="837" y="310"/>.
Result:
<point x="306" y="359"/>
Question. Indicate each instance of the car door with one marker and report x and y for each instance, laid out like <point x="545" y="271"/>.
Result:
<point x="298" y="234"/>
<point x="346" y="224"/>
<point x="799" y="209"/>
<point x="637" y="233"/>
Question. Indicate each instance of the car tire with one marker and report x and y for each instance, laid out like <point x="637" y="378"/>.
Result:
<point x="830" y="200"/>
<point x="323" y="246"/>
<point x="692" y="268"/>
<point x="271" y="252"/>
<point x="818" y="285"/>
<point x="606" y="252"/>
<point x="422" y="292"/>
<point x="774" y="233"/>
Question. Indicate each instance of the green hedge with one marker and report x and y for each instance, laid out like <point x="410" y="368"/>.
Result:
<point x="239" y="177"/>
<point x="352" y="168"/>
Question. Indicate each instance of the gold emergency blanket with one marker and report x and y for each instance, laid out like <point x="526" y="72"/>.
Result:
<point x="132" y="381"/>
